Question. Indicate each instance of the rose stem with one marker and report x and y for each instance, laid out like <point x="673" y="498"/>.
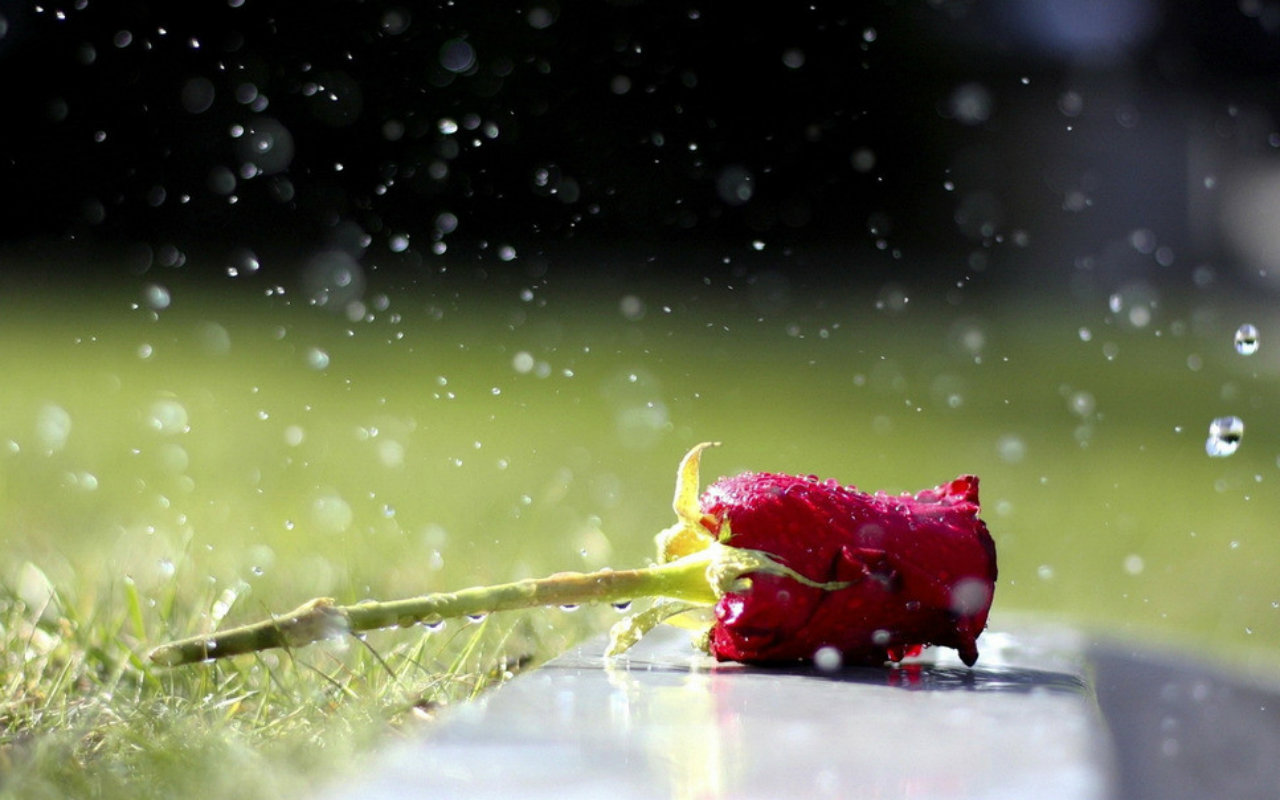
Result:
<point x="684" y="579"/>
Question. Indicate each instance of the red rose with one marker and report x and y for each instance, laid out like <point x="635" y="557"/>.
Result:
<point x="919" y="570"/>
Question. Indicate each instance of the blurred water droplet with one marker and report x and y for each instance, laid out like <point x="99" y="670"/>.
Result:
<point x="1246" y="340"/>
<point x="971" y="104"/>
<point x="53" y="427"/>
<point x="1225" y="434"/>
<point x="1133" y="564"/>
<point x="317" y="358"/>
<point x="156" y="296"/>
<point x="1011" y="448"/>
<point x="331" y="513"/>
<point x="1082" y="403"/>
<point x="476" y="618"/>
<point x="522" y="362"/>
<point x="457" y="56"/>
<point x="1045" y="572"/>
<point x="828" y="659"/>
<point x="735" y="185"/>
<point x="569" y="607"/>
<point x="622" y="606"/>
<point x="632" y="307"/>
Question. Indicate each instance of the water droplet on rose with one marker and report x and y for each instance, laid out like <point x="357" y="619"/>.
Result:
<point x="969" y="596"/>
<point x="1225" y="434"/>
<point x="1246" y="340"/>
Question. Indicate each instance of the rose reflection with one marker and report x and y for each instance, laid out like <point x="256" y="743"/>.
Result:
<point x="721" y="731"/>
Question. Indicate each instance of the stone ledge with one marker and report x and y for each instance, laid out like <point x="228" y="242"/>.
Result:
<point x="666" y="722"/>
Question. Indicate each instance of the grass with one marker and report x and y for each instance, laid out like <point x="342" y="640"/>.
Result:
<point x="167" y="473"/>
<point x="88" y="717"/>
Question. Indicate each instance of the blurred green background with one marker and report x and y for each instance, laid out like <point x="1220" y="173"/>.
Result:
<point x="196" y="438"/>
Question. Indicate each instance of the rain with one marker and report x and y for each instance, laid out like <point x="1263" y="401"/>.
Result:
<point x="297" y="303"/>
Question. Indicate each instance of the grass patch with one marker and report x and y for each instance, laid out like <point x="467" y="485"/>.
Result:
<point x="86" y="716"/>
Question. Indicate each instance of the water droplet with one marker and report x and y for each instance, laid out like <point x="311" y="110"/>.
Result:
<point x="1045" y="572"/>
<point x="828" y="658"/>
<point x="1246" y="340"/>
<point x="735" y="185"/>
<point x="569" y="607"/>
<point x="434" y="625"/>
<point x="971" y="104"/>
<point x="632" y="307"/>
<point x="53" y="427"/>
<point x="1011" y="448"/>
<point x="331" y="513"/>
<point x="1133" y="564"/>
<point x="1225" y="434"/>
<point x="522" y="362"/>
<point x="1082" y="403"/>
<point x="317" y="358"/>
<point x="622" y="606"/>
<point x="477" y="618"/>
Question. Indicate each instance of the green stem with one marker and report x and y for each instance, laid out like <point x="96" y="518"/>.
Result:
<point x="689" y="579"/>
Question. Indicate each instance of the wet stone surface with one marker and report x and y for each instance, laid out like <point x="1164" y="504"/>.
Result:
<point x="665" y="722"/>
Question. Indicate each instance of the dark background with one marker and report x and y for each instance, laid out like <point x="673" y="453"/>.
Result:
<point x="1006" y="139"/>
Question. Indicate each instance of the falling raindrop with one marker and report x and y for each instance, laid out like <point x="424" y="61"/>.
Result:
<point x="1225" y="434"/>
<point x="1246" y="340"/>
<point x="828" y="659"/>
<point x="317" y="358"/>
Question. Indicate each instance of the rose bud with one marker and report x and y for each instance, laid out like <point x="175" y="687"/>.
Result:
<point x="878" y="576"/>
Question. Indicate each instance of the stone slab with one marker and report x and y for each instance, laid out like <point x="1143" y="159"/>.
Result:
<point x="664" y="722"/>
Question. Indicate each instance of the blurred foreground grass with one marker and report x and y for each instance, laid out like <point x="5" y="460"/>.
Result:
<point x="164" y="472"/>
